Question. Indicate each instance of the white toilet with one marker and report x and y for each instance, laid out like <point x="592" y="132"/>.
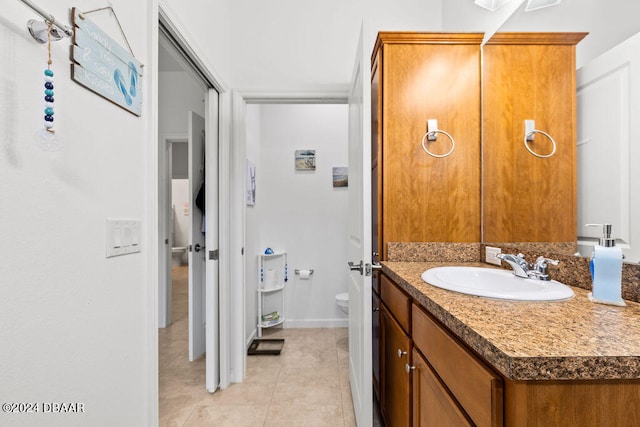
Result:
<point x="342" y="301"/>
<point x="176" y="255"/>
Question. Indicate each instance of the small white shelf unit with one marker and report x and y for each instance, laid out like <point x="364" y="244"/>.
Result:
<point x="268" y="288"/>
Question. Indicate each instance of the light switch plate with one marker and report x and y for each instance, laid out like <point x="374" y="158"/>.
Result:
<point x="123" y="236"/>
<point x="491" y="255"/>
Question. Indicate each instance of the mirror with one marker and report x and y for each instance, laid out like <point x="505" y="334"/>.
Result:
<point x="599" y="115"/>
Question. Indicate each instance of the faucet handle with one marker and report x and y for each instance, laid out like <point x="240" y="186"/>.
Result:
<point x="542" y="260"/>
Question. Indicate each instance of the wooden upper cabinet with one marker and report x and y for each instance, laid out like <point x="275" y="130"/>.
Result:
<point x="417" y="77"/>
<point x="529" y="76"/>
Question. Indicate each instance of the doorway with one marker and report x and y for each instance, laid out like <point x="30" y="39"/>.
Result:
<point x="188" y="105"/>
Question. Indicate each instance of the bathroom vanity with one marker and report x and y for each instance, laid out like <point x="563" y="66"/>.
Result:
<point x="449" y="359"/>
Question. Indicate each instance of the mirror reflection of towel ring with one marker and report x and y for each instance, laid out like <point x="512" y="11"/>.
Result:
<point x="530" y="135"/>
<point x="433" y="134"/>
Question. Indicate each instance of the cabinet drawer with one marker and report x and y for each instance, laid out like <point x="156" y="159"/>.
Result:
<point x="398" y="302"/>
<point x="476" y="387"/>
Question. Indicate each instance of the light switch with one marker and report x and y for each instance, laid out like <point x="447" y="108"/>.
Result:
<point x="123" y="236"/>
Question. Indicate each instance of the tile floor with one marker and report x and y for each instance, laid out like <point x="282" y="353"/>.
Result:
<point x="306" y="385"/>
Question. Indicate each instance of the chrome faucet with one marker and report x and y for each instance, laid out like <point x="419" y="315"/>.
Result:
<point x="521" y="268"/>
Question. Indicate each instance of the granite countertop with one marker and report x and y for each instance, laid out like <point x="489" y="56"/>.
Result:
<point x="562" y="340"/>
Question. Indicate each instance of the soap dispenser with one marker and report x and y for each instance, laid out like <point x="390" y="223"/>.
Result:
<point x="606" y="269"/>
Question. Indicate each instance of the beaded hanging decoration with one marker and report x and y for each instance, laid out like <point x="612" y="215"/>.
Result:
<point x="46" y="137"/>
<point x="48" y="87"/>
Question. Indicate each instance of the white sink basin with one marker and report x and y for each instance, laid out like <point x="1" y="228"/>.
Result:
<point x="494" y="283"/>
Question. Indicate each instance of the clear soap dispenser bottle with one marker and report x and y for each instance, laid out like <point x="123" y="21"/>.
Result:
<point x="606" y="269"/>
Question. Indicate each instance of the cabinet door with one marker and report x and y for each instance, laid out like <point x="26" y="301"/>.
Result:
<point x="396" y="382"/>
<point x="528" y="198"/>
<point x="425" y="198"/>
<point x="432" y="404"/>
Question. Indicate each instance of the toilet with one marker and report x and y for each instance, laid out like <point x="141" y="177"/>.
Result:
<point x="342" y="301"/>
<point x="176" y="255"/>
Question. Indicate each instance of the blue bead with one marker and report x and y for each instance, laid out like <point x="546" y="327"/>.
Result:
<point x="48" y="118"/>
<point x="48" y="92"/>
<point x="48" y="85"/>
<point x="48" y="111"/>
<point x="48" y="98"/>
<point x="48" y="72"/>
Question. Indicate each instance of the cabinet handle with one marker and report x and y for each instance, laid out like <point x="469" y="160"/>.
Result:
<point x="401" y="353"/>
<point x="376" y="309"/>
<point x="408" y="368"/>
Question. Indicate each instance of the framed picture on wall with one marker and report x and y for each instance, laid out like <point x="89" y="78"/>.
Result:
<point x="251" y="184"/>
<point x="305" y="160"/>
<point x="340" y="176"/>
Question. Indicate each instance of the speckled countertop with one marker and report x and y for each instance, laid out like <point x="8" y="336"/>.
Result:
<point x="563" y="340"/>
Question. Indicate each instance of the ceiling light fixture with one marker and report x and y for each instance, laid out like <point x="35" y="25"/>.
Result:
<point x="540" y="4"/>
<point x="494" y="5"/>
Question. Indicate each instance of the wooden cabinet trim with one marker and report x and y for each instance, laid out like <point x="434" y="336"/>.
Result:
<point x="536" y="38"/>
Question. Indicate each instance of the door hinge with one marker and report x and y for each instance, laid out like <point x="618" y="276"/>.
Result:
<point x="214" y="255"/>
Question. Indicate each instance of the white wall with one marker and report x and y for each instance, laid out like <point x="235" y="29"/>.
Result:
<point x="300" y="212"/>
<point x="74" y="323"/>
<point x="178" y="94"/>
<point x="306" y="45"/>
<point x="608" y="23"/>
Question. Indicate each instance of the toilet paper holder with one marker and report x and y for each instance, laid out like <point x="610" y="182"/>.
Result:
<point x="297" y="271"/>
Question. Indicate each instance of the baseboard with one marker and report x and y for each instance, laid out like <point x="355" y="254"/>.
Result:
<point x="252" y="336"/>
<point x="317" y="323"/>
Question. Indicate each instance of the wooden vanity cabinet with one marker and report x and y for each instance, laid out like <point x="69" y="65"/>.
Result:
<point x="427" y="377"/>
<point x="417" y="77"/>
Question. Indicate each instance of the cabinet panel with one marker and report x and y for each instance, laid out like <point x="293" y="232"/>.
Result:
<point x="432" y="404"/>
<point x="479" y="390"/>
<point x="527" y="198"/>
<point x="397" y="301"/>
<point x="396" y="382"/>
<point x="426" y="198"/>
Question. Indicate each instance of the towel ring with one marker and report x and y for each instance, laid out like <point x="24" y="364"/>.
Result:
<point x="542" y="156"/>
<point x="433" y="133"/>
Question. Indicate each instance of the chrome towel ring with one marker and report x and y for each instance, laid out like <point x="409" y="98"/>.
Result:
<point x="529" y="132"/>
<point x="432" y="135"/>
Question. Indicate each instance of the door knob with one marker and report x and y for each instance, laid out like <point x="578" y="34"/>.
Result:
<point x="198" y="248"/>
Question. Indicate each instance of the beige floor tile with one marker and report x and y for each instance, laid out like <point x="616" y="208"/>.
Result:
<point x="304" y="415"/>
<point x="306" y="385"/>
<point x="227" y="416"/>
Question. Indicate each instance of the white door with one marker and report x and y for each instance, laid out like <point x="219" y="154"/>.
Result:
<point x="359" y="239"/>
<point x="212" y="239"/>
<point x="196" y="238"/>
<point x="608" y="103"/>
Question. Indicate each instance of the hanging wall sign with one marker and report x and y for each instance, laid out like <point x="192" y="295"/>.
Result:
<point x="103" y="66"/>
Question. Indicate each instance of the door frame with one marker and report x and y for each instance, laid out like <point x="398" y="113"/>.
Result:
<point x="237" y="173"/>
<point x="161" y="14"/>
<point x="164" y="253"/>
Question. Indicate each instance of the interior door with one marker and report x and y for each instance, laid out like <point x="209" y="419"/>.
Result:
<point x="359" y="239"/>
<point x="212" y="239"/>
<point x="608" y="150"/>
<point x="196" y="238"/>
